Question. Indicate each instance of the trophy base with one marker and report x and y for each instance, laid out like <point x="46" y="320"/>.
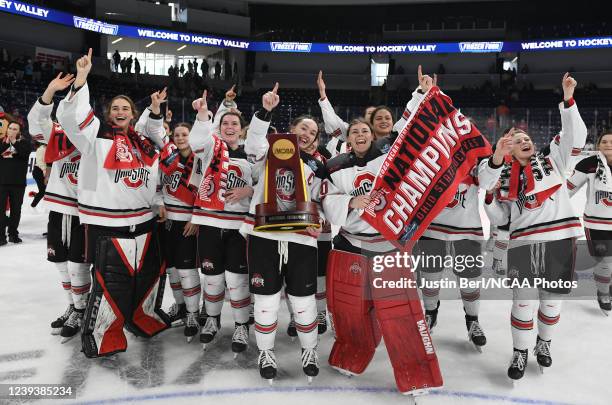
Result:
<point x="305" y="215"/>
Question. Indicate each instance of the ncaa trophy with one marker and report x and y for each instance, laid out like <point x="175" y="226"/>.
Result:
<point x="284" y="157"/>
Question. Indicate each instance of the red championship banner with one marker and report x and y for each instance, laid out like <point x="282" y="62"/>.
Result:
<point x="431" y="156"/>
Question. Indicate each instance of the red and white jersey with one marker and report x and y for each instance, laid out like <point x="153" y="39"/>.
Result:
<point x="554" y="218"/>
<point x="239" y="174"/>
<point x="61" y="192"/>
<point x="460" y="219"/>
<point x="178" y="195"/>
<point x="108" y="197"/>
<point x="256" y="147"/>
<point x="598" y="210"/>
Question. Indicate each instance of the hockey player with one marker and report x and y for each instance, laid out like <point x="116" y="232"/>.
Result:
<point x="595" y="172"/>
<point x="118" y="176"/>
<point x="221" y="246"/>
<point x="543" y="228"/>
<point x="179" y="236"/>
<point x="65" y="234"/>
<point x="275" y="257"/>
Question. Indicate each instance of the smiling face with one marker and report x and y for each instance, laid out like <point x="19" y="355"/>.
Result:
<point x="605" y="146"/>
<point x="306" y="131"/>
<point x="382" y="123"/>
<point x="181" y="138"/>
<point x="522" y="146"/>
<point x="368" y="112"/>
<point x="121" y="113"/>
<point x="13" y="130"/>
<point x="230" y="129"/>
<point x="360" y="138"/>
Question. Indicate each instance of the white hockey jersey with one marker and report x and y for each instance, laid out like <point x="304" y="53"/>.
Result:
<point x="460" y="219"/>
<point x="61" y="193"/>
<point x="598" y="210"/>
<point x="553" y="219"/>
<point x="256" y="147"/>
<point x="106" y="197"/>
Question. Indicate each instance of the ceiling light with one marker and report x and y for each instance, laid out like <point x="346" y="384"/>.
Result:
<point x="182" y="47"/>
<point x="117" y="40"/>
<point x="150" y="44"/>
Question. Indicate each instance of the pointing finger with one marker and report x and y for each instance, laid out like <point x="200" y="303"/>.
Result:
<point x="275" y="89"/>
<point x="89" y="53"/>
<point x="420" y="72"/>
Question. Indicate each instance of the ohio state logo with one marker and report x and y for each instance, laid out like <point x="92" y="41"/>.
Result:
<point x="235" y="178"/>
<point x="458" y="200"/>
<point x="603" y="197"/>
<point x="362" y="184"/>
<point x="172" y="182"/>
<point x="529" y="203"/>
<point x="70" y="169"/>
<point x="133" y="178"/>
<point x="285" y="184"/>
<point x="355" y="268"/>
<point x="257" y="280"/>
<point x="122" y="153"/>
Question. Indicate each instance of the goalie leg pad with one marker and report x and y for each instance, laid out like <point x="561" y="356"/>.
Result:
<point x="110" y="302"/>
<point x="357" y="332"/>
<point x="401" y="319"/>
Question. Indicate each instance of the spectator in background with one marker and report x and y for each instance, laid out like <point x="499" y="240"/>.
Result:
<point x="28" y="71"/>
<point x="204" y="68"/>
<point x="36" y="71"/>
<point x="39" y="173"/>
<point x="116" y="60"/>
<point x="182" y="70"/>
<point x="5" y="58"/>
<point x="18" y="66"/>
<point x="136" y="67"/>
<point x="195" y="65"/>
<point x="228" y="70"/>
<point x="217" y="70"/>
<point x="503" y="114"/>
<point x="14" y="155"/>
<point x="129" y="63"/>
<point x="123" y="65"/>
<point x="235" y="71"/>
<point x="190" y="67"/>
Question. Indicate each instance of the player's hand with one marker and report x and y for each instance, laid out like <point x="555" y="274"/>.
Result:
<point x="503" y="147"/>
<point x="236" y="194"/>
<point x="425" y="81"/>
<point x="360" y="202"/>
<point x="271" y="99"/>
<point x="569" y="85"/>
<point x="157" y="99"/>
<point x="321" y="86"/>
<point x="83" y="67"/>
<point x="230" y="95"/>
<point x="163" y="215"/>
<point x="168" y="115"/>
<point x="190" y="229"/>
<point x="201" y="106"/>
<point x="314" y="231"/>
<point x="58" y="84"/>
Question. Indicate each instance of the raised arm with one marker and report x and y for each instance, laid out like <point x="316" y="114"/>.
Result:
<point x="490" y="169"/>
<point x="200" y="137"/>
<point x="151" y="123"/>
<point x="39" y="118"/>
<point x="426" y="82"/>
<point x="334" y="125"/>
<point x="227" y="105"/>
<point x="74" y="112"/>
<point x="256" y="144"/>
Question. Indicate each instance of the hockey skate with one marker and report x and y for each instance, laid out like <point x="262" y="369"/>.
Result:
<point x="604" y="303"/>
<point x="475" y="334"/>
<point x="414" y="394"/>
<point x="192" y="327"/>
<point x="310" y="363"/>
<point x="240" y="339"/>
<point x="202" y="317"/>
<point x="72" y="326"/>
<point x="267" y="365"/>
<point x="516" y="371"/>
<point x="322" y="319"/>
<point x="291" y="330"/>
<point x="542" y="353"/>
<point x="209" y="330"/>
<point x="56" y="326"/>
<point x="431" y="317"/>
<point x="177" y="314"/>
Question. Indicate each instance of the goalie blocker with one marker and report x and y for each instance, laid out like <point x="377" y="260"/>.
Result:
<point x="128" y="287"/>
<point x="361" y="313"/>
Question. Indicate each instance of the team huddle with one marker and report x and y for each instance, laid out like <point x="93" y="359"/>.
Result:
<point x="139" y="201"/>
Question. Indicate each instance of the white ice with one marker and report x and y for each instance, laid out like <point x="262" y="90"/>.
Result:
<point x="166" y="369"/>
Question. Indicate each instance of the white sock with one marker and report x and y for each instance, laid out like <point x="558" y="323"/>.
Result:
<point x="80" y="280"/>
<point x="175" y="284"/>
<point x="266" y="319"/>
<point x="240" y="297"/>
<point x="214" y="293"/>
<point x="321" y="295"/>
<point x="471" y="300"/>
<point x="524" y="302"/>
<point x="190" y="284"/>
<point x="549" y="314"/>
<point x="305" y="312"/>
<point x="431" y="296"/>
<point x="62" y="268"/>
<point x="601" y="274"/>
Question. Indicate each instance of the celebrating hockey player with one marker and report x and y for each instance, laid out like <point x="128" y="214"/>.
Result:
<point x="543" y="229"/>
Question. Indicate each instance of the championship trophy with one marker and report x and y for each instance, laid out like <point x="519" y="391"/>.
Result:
<point x="284" y="182"/>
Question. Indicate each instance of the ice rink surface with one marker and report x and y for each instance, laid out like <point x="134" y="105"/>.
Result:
<point x="167" y="370"/>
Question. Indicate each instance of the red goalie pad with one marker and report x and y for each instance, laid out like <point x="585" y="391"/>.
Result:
<point x="401" y="319"/>
<point x="349" y="304"/>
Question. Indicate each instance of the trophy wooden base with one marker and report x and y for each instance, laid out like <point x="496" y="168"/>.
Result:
<point x="269" y="219"/>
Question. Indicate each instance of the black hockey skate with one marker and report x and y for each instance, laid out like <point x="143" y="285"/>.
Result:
<point x="291" y="330"/>
<point x="310" y="363"/>
<point x="177" y="314"/>
<point x="192" y="327"/>
<point x="542" y="352"/>
<point x="56" y="326"/>
<point x="431" y="317"/>
<point x="202" y="317"/>
<point x="322" y="319"/>
<point x="210" y="329"/>
<point x="240" y="339"/>
<point x="516" y="371"/>
<point x="72" y="326"/>
<point x="475" y="333"/>
<point x="267" y="365"/>
<point x="604" y="303"/>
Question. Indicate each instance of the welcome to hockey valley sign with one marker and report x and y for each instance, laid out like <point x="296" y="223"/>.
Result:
<point x="435" y="151"/>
